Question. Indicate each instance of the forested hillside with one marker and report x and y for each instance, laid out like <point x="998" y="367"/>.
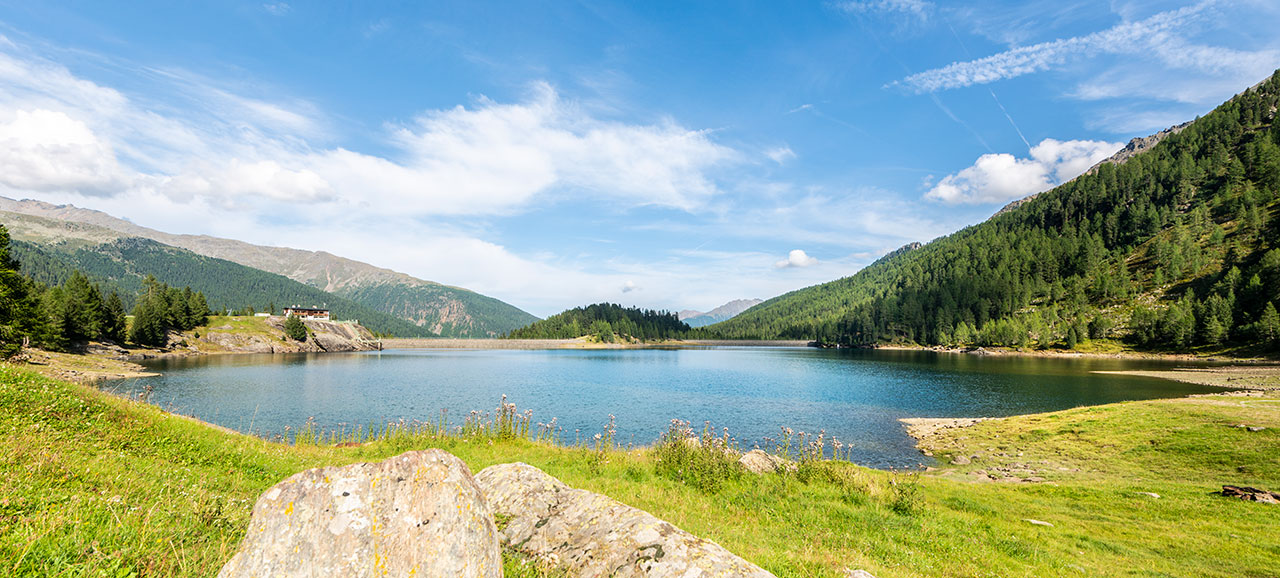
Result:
<point x="442" y="310"/>
<point x="607" y="322"/>
<point x="122" y="266"/>
<point x="1173" y="249"/>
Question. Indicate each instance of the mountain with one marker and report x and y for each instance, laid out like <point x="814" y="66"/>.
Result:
<point x="722" y="313"/>
<point x="1174" y="245"/>
<point x="443" y="310"/>
<point x="122" y="263"/>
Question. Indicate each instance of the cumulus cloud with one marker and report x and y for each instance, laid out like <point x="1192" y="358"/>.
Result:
<point x="1001" y="177"/>
<point x="495" y="157"/>
<point x="629" y="286"/>
<point x="43" y="150"/>
<point x="1158" y="37"/>
<point x="796" y="258"/>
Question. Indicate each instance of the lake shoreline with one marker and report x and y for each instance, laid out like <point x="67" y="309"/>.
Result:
<point x="1059" y="354"/>
<point x="580" y="343"/>
<point x="1246" y="380"/>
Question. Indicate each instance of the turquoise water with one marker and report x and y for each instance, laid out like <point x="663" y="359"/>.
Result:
<point x="856" y="396"/>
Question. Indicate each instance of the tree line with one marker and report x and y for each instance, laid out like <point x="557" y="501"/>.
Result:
<point x="61" y="316"/>
<point x="608" y="322"/>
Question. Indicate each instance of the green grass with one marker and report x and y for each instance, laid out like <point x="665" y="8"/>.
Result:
<point x="93" y="485"/>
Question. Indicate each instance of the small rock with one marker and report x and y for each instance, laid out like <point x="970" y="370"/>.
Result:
<point x="417" y="514"/>
<point x="1037" y="522"/>
<point x="758" y="462"/>
<point x="1256" y="428"/>
<point x="960" y="461"/>
<point x="1153" y="495"/>
<point x="848" y="573"/>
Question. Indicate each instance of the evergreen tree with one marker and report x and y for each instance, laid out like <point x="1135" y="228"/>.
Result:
<point x="18" y="309"/>
<point x="114" y="317"/>
<point x="1269" y="325"/>
<point x="295" y="329"/>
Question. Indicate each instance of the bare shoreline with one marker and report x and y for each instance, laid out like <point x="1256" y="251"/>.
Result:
<point x="1053" y="353"/>
<point x="535" y="344"/>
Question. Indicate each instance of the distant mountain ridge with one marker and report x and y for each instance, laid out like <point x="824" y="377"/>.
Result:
<point x="443" y="310"/>
<point x="722" y="313"/>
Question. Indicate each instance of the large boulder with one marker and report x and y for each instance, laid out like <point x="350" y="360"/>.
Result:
<point x="593" y="535"/>
<point x="417" y="514"/>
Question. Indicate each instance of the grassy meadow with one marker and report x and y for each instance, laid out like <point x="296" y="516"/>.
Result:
<point x="95" y="485"/>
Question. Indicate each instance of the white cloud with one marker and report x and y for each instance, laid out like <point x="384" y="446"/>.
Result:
<point x="489" y="159"/>
<point x="796" y="258"/>
<point x="780" y="154"/>
<point x="1001" y="177"/>
<point x="1157" y="37"/>
<point x="629" y="286"/>
<point x="43" y="150"/>
<point x="277" y="8"/>
<point x="915" y="8"/>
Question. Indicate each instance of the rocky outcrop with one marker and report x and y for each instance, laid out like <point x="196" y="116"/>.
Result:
<point x="266" y="335"/>
<point x="592" y="535"/>
<point x="1251" y="494"/>
<point x="417" y="514"/>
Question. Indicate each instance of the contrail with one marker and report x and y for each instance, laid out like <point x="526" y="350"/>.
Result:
<point x="989" y="89"/>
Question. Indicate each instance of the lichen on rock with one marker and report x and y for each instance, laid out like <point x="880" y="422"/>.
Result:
<point x="417" y="514"/>
<point x="593" y="535"/>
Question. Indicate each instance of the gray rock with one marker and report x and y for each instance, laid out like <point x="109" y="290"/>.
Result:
<point x="960" y="461"/>
<point x="1037" y="522"/>
<point x="419" y="513"/>
<point x="761" y="462"/>
<point x="1256" y="428"/>
<point x="593" y="535"/>
<point x="857" y="574"/>
<point x="1151" y="495"/>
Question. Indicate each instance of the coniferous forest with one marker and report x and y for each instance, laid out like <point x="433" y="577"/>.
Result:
<point x="76" y="311"/>
<point x="1175" y="248"/>
<point x="608" y="322"/>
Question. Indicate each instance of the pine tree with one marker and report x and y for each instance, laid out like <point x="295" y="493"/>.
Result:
<point x="295" y="329"/>
<point x="114" y="316"/>
<point x="19" y="316"/>
<point x="1269" y="325"/>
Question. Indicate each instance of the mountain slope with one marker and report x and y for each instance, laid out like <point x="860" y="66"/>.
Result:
<point x="722" y="313"/>
<point x="444" y="310"/>
<point x="121" y="265"/>
<point x="1174" y="247"/>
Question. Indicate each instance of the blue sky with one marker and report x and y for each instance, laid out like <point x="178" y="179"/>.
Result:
<point x="666" y="154"/>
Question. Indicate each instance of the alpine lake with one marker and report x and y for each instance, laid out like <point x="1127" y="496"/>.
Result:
<point x="855" y="396"/>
